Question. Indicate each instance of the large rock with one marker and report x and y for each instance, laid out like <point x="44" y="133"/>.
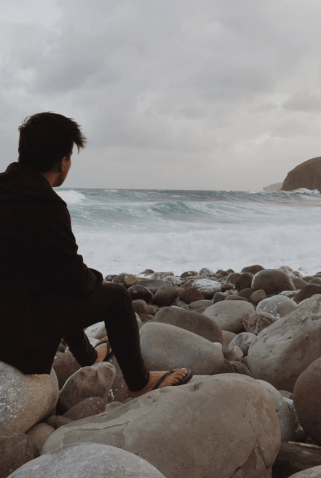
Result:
<point x="86" y="408"/>
<point x="278" y="306"/>
<point x="306" y="398"/>
<point x="284" y="416"/>
<point x="229" y="314"/>
<point x="191" y="321"/>
<point x="253" y="269"/>
<point x="294" y="459"/>
<point x="87" y="460"/>
<point x="225" y="426"/>
<point x="119" y="391"/>
<point x="272" y="281"/>
<point x="190" y="295"/>
<point x="305" y="175"/>
<point x="138" y="291"/>
<point x="165" y="295"/>
<point x="25" y="399"/>
<point x="307" y="292"/>
<point x="93" y="381"/>
<point x="243" y="340"/>
<point x="65" y="366"/>
<point x="255" y="323"/>
<point x="40" y="434"/>
<point x="96" y="331"/>
<point x="314" y="472"/>
<point x="286" y="348"/>
<point x="16" y="449"/>
<point x="165" y="347"/>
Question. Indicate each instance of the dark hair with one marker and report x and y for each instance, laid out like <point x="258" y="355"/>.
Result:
<point x="46" y="138"/>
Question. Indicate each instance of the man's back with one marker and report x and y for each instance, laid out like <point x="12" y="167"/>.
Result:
<point x="39" y="269"/>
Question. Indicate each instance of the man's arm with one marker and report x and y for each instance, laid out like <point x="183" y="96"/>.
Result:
<point x="59" y="252"/>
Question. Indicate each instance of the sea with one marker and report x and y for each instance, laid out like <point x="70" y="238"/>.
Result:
<point x="127" y="230"/>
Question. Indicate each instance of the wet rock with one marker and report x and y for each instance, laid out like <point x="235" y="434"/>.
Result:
<point x="86" y="408"/>
<point x="161" y="275"/>
<point x="225" y="287"/>
<point x="253" y="269"/>
<point x="278" y="306"/>
<point x="293" y="459"/>
<point x="40" y="434"/>
<point x="165" y="347"/>
<point x="93" y="381"/>
<point x="306" y="398"/>
<point x="16" y="449"/>
<point x="57" y="421"/>
<point x="209" y="284"/>
<point x="96" y="331"/>
<point x="165" y="295"/>
<point x="126" y="280"/>
<point x="218" y="297"/>
<point x="257" y="296"/>
<point x="25" y="399"/>
<point x="188" y="274"/>
<point x="201" y="304"/>
<point x="307" y="292"/>
<point x="138" y="291"/>
<point x="139" y="306"/>
<point x="232" y="409"/>
<point x="190" y="295"/>
<point x="286" y="348"/>
<point x="191" y="321"/>
<point x="232" y="278"/>
<point x="234" y="353"/>
<point x="229" y="314"/>
<point x="244" y="281"/>
<point x="255" y="323"/>
<point x="206" y="273"/>
<point x="272" y="281"/>
<point x="243" y="341"/>
<point x="208" y="292"/>
<point x="285" y="420"/>
<point x="65" y="366"/>
<point x="246" y="293"/>
<point x="119" y="391"/>
<point x="86" y="460"/>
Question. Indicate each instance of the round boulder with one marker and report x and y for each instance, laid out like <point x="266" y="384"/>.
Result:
<point x="255" y="323"/>
<point x="279" y="306"/>
<point x="190" y="295"/>
<point x="253" y="269"/>
<point x="16" y="449"/>
<point x="93" y="381"/>
<point x="306" y="398"/>
<point x="165" y="347"/>
<point x="25" y="399"/>
<point x="85" y="460"/>
<point x="138" y="291"/>
<point x="272" y="281"/>
<point x="165" y="295"/>
<point x="227" y="423"/>
<point x="243" y="341"/>
<point x="191" y="321"/>
<point x="229" y="314"/>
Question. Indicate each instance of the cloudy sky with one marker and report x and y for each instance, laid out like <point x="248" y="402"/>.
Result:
<point x="172" y="94"/>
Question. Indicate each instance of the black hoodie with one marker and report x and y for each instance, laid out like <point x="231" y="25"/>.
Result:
<point x="39" y="270"/>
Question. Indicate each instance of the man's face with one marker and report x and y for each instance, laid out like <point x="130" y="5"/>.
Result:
<point x="65" y="166"/>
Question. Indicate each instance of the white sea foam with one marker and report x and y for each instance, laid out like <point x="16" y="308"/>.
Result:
<point x="71" y="196"/>
<point x="222" y="247"/>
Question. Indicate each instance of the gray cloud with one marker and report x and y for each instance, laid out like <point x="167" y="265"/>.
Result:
<point x="214" y="92"/>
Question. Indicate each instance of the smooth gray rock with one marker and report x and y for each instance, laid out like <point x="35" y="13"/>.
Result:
<point x="96" y="331"/>
<point x="243" y="341"/>
<point x="25" y="399"/>
<point x="208" y="284"/>
<point x="93" y="381"/>
<point x="165" y="347"/>
<point x="191" y="321"/>
<point x="255" y="323"/>
<point x="234" y="353"/>
<point x="40" y="434"/>
<point x="286" y="348"/>
<point x="287" y="425"/>
<point x="226" y="425"/>
<point x="257" y="296"/>
<point x="229" y="314"/>
<point x="278" y="306"/>
<point x="201" y="304"/>
<point x="314" y="472"/>
<point x="88" y="460"/>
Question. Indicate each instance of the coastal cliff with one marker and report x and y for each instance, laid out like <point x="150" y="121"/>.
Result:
<point x="305" y="175"/>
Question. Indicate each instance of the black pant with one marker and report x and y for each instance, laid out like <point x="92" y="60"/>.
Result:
<point x="112" y="304"/>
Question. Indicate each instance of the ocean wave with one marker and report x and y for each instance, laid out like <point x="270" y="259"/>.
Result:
<point x="71" y="196"/>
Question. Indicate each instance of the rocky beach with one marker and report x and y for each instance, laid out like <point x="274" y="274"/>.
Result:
<point x="252" y="339"/>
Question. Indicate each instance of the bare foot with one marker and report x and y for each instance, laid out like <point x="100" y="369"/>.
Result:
<point x="155" y="376"/>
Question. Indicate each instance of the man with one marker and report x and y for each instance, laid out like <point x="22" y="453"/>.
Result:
<point x="46" y="291"/>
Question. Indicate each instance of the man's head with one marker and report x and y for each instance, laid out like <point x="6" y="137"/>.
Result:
<point x="46" y="142"/>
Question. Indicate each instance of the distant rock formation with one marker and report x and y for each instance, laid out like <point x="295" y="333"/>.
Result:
<point x="305" y="175"/>
<point x="273" y="188"/>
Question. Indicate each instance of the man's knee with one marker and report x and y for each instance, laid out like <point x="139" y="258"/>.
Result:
<point x="118" y="294"/>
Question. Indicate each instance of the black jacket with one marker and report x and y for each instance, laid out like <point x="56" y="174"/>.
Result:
<point x="39" y="270"/>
